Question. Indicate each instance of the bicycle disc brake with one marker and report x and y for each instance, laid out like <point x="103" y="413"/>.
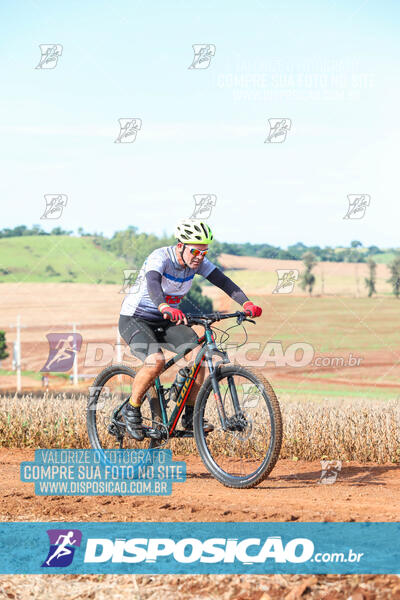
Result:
<point x="241" y="425"/>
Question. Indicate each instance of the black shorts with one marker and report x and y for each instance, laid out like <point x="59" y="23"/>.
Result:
<point x="146" y="337"/>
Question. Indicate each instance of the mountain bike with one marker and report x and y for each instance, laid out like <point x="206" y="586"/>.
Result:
<point x="239" y="404"/>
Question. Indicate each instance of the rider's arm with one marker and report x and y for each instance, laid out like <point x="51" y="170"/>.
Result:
<point x="218" y="278"/>
<point x="153" y="279"/>
<point x="154" y="288"/>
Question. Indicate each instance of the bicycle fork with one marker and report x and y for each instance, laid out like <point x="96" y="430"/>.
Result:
<point x="233" y="423"/>
<point x="217" y="392"/>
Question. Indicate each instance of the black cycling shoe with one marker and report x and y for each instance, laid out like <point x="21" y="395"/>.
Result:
<point x="187" y="421"/>
<point x="133" y="421"/>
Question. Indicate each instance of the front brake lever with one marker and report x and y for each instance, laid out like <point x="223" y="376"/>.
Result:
<point x="242" y="318"/>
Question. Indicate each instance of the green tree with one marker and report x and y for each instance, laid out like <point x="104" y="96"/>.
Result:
<point x="297" y="250"/>
<point x="371" y="280"/>
<point x="394" y="268"/>
<point x="355" y="244"/>
<point x="3" y="346"/>
<point x="354" y="255"/>
<point x="307" y="279"/>
<point x="60" y="231"/>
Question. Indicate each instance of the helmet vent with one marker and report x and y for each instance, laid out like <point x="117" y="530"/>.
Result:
<point x="204" y="229"/>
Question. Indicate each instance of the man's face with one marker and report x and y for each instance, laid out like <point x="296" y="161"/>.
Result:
<point x="192" y="261"/>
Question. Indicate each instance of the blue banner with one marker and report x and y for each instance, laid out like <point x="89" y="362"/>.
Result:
<point x="148" y="548"/>
<point x="59" y="472"/>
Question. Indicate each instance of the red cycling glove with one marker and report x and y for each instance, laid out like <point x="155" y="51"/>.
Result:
<point x="174" y="314"/>
<point x="251" y="309"/>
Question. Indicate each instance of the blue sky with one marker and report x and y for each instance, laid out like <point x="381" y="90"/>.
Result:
<point x="331" y="67"/>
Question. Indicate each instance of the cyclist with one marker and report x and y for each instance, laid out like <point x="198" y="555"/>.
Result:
<point x="150" y="316"/>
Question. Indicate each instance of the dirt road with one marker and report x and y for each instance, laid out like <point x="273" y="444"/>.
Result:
<point x="291" y="493"/>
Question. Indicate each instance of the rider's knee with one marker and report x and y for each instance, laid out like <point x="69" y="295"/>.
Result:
<point x="155" y="362"/>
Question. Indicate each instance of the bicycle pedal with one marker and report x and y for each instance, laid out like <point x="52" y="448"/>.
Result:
<point x="183" y="433"/>
<point x="188" y="434"/>
<point x="155" y="434"/>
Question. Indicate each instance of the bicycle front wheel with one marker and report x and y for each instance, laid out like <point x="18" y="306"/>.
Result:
<point x="245" y="451"/>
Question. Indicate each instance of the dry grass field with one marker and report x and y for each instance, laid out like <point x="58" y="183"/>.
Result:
<point x="361" y="430"/>
<point x="201" y="587"/>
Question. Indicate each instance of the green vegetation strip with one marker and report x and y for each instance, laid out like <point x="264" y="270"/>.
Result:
<point x="34" y="374"/>
<point x="337" y="392"/>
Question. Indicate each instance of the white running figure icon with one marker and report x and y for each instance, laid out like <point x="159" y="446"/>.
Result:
<point x="63" y="351"/>
<point x="62" y="549"/>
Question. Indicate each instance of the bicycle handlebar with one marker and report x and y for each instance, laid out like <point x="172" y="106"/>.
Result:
<point x="216" y="316"/>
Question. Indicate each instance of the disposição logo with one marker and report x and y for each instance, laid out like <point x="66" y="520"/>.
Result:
<point x="63" y="543"/>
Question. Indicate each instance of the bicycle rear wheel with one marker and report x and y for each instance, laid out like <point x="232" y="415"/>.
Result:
<point x="105" y="425"/>
<point x="246" y="452"/>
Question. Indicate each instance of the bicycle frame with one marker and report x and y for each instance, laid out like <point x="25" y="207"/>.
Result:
<point x="209" y="348"/>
